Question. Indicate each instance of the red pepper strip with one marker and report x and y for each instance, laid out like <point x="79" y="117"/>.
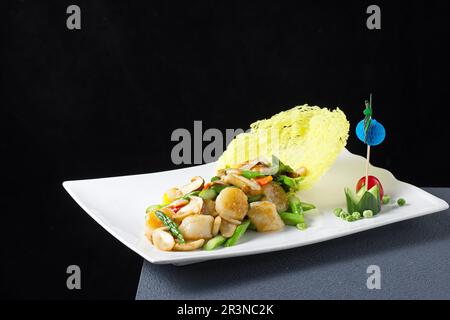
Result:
<point x="207" y="185"/>
<point x="264" y="181"/>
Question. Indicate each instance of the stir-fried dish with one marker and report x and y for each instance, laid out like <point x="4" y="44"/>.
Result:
<point x="255" y="195"/>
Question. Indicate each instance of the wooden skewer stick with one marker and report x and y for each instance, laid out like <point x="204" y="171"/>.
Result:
<point x="367" y="167"/>
<point x="368" y="155"/>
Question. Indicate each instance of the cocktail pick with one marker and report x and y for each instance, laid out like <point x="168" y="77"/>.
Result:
<point x="371" y="132"/>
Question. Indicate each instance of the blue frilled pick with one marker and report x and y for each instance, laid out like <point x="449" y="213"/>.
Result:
<point x="375" y="134"/>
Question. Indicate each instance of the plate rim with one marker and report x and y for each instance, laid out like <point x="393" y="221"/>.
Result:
<point x="438" y="206"/>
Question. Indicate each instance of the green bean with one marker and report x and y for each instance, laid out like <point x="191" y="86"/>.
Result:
<point x="208" y="194"/>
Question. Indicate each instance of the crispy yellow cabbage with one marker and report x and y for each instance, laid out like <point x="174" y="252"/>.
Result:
<point x="307" y="136"/>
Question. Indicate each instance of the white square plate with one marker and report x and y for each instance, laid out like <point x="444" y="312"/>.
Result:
<point x="118" y="204"/>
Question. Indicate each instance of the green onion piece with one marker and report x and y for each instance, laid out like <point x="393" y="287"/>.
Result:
<point x="251" y="174"/>
<point x="208" y="194"/>
<point x="215" y="178"/>
<point x="254" y="198"/>
<point x="292" y="219"/>
<point x="401" y="202"/>
<point x="215" y="242"/>
<point x="240" y="230"/>
<point x="173" y="228"/>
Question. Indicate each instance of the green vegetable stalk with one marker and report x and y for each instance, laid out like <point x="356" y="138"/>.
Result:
<point x="254" y="198"/>
<point x="307" y="206"/>
<point x="240" y="230"/>
<point x="215" y="242"/>
<point x="218" y="187"/>
<point x="173" y="228"/>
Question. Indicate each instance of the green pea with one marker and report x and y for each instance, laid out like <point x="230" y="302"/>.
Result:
<point x="386" y="199"/>
<point x="350" y="218"/>
<point x="343" y="214"/>
<point x="337" y="212"/>
<point x="401" y="202"/>
<point x="356" y="215"/>
<point x="302" y="226"/>
<point x="368" y="214"/>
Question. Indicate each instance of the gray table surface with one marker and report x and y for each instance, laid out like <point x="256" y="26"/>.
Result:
<point x="413" y="256"/>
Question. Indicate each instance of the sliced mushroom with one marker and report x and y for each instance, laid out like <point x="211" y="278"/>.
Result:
<point x="178" y="203"/>
<point x="189" y="245"/>
<point x="148" y="233"/>
<point x="302" y="171"/>
<point x="194" y="206"/>
<point x="235" y="171"/>
<point x="172" y="194"/>
<point x="248" y="165"/>
<point x="216" y="226"/>
<point x="255" y="165"/>
<point x="195" y="184"/>
<point x="276" y="194"/>
<point x="196" y="227"/>
<point x="162" y="239"/>
<point x="209" y="207"/>
<point x="264" y="216"/>
<point x="248" y="186"/>
<point x="227" y="229"/>
<point x="231" y="203"/>
<point x="233" y="221"/>
<point x="221" y="172"/>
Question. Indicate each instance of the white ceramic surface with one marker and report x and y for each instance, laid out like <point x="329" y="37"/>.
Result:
<point x="118" y="204"/>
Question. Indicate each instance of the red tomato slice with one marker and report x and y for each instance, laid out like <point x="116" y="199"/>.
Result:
<point x="371" y="181"/>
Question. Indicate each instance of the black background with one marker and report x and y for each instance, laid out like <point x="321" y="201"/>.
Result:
<point x="104" y="100"/>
